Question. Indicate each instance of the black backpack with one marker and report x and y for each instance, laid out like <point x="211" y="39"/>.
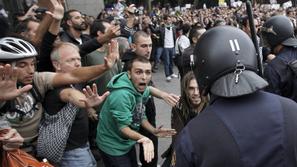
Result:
<point x="186" y="61"/>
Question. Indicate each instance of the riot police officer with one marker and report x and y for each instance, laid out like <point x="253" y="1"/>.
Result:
<point x="278" y="34"/>
<point x="243" y="125"/>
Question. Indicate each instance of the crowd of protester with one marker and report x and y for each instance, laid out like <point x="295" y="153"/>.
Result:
<point x="56" y="61"/>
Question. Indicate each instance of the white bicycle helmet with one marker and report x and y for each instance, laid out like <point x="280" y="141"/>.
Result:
<point x="12" y="49"/>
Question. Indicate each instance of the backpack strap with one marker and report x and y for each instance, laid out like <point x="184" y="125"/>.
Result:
<point x="36" y="94"/>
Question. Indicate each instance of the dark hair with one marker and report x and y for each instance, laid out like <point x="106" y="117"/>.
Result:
<point x="194" y="32"/>
<point x="186" y="28"/>
<point x="138" y="34"/>
<point x="67" y="17"/>
<point x="98" y="25"/>
<point x="136" y="58"/>
<point x="244" y="21"/>
<point x="219" y="22"/>
<point x="185" y="103"/>
<point x="23" y="25"/>
<point x="4" y="28"/>
<point x="165" y="17"/>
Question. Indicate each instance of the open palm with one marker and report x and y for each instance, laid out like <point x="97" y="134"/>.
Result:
<point x="8" y="82"/>
<point x="92" y="97"/>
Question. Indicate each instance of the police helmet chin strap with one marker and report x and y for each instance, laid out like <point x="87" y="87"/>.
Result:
<point x="238" y="70"/>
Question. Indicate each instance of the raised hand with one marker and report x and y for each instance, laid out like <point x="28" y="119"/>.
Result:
<point x="148" y="148"/>
<point x="113" y="54"/>
<point x="30" y="13"/>
<point x="8" y="83"/>
<point x="58" y="11"/>
<point x="111" y="32"/>
<point x="171" y="99"/>
<point x="92" y="97"/>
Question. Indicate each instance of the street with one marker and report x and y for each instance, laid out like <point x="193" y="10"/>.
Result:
<point x="163" y="109"/>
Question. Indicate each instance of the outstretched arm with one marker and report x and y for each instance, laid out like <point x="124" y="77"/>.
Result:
<point x="169" y="98"/>
<point x="95" y="43"/>
<point x="148" y="146"/>
<point x="50" y="37"/>
<point x="92" y="97"/>
<point x="88" y="99"/>
<point x="84" y="74"/>
<point x="159" y="132"/>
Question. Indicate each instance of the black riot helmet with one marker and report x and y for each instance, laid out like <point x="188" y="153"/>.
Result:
<point x="226" y="63"/>
<point x="278" y="30"/>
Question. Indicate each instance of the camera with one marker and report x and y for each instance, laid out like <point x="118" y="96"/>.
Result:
<point x="40" y="10"/>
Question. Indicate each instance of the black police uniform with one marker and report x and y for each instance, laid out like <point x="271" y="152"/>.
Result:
<point x="279" y="76"/>
<point x="255" y="130"/>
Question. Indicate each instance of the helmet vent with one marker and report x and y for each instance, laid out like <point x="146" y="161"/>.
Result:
<point x="7" y="49"/>
<point x="16" y="46"/>
<point x="25" y="45"/>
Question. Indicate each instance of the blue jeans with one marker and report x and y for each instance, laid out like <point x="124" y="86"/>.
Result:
<point x="169" y="54"/>
<point x="157" y="54"/>
<point x="79" y="157"/>
<point x="127" y="160"/>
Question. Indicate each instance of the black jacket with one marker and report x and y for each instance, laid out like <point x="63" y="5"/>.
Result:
<point x="279" y="75"/>
<point x="161" y="30"/>
<point x="88" y="44"/>
<point x="44" y="60"/>
<point x="256" y="130"/>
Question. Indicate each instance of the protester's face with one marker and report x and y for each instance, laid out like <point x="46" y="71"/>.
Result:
<point x="143" y="47"/>
<point x="107" y="26"/>
<point x="168" y="21"/>
<point x="247" y="28"/>
<point x="26" y="70"/>
<point x="69" y="59"/>
<point x="32" y="28"/>
<point x="193" y="93"/>
<point x="140" y="75"/>
<point x="77" y="22"/>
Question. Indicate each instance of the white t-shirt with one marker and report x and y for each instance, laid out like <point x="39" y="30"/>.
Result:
<point x="168" y="39"/>
<point x="182" y="42"/>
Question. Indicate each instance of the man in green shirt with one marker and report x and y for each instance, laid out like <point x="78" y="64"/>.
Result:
<point x="123" y="113"/>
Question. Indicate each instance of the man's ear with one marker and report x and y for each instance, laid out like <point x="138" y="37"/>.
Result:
<point x="194" y="39"/>
<point x="133" y="46"/>
<point x="69" y="22"/>
<point x="56" y="65"/>
<point x="129" y="74"/>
